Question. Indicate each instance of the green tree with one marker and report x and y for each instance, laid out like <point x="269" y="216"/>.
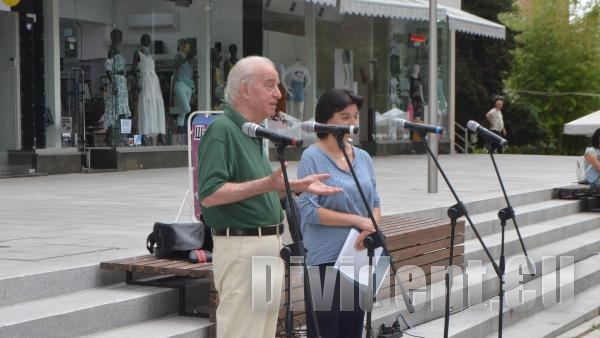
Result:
<point x="481" y="63"/>
<point x="555" y="64"/>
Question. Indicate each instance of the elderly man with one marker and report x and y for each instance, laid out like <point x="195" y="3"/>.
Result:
<point x="239" y="193"/>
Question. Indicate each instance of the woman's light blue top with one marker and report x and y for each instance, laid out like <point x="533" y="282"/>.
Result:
<point x="324" y="243"/>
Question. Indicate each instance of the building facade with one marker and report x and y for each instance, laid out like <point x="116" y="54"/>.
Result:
<point x="79" y="80"/>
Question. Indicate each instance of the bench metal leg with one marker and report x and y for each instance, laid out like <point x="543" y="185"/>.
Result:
<point x="172" y="282"/>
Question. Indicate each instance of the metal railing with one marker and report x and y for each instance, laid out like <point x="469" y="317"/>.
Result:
<point x="461" y="138"/>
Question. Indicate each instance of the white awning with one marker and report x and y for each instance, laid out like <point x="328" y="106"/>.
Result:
<point x="458" y="20"/>
<point x="461" y="21"/>
<point x="398" y="9"/>
<point x="323" y="2"/>
<point x="585" y="125"/>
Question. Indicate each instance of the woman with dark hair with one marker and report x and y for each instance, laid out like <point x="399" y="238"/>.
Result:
<point x="328" y="220"/>
<point x="592" y="161"/>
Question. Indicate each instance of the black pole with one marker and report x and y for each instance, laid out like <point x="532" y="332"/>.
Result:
<point x="512" y="214"/>
<point x="504" y="215"/>
<point x="374" y="240"/>
<point x="460" y="205"/>
<point x="485" y="249"/>
<point x="298" y="248"/>
<point x="371" y="297"/>
<point x="454" y="212"/>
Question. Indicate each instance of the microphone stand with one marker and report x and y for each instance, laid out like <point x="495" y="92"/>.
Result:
<point x="454" y="212"/>
<point x="505" y="214"/>
<point x="373" y="241"/>
<point x="294" y="249"/>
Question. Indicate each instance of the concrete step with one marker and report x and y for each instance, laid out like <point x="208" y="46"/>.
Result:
<point x="480" y="281"/>
<point x="482" y="319"/>
<point x="15" y="170"/>
<point x="488" y="223"/>
<point x="86" y="312"/>
<point x="167" y="327"/>
<point x="534" y="235"/>
<point x="578" y="248"/>
<point x="589" y="329"/>
<point x="557" y="320"/>
<point x="25" y="280"/>
<point x="486" y="205"/>
<point x="24" y="288"/>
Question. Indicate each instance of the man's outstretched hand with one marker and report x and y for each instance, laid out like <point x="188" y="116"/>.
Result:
<point x="310" y="184"/>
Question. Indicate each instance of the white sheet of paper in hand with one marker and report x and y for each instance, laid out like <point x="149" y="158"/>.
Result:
<point x="350" y="262"/>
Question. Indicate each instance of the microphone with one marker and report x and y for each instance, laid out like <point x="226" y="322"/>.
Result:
<point x="486" y="133"/>
<point x="255" y="130"/>
<point x="421" y="128"/>
<point x="314" y="127"/>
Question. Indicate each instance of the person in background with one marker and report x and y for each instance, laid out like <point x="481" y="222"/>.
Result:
<point x="496" y="121"/>
<point x="592" y="161"/>
<point x="239" y="195"/>
<point x="327" y="220"/>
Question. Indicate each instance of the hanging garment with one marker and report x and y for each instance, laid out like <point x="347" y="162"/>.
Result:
<point x="151" y="109"/>
<point x="116" y="99"/>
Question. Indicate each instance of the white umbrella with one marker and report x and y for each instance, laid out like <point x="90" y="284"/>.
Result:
<point x="585" y="125"/>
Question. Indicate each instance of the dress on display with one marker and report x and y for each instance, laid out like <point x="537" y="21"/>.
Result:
<point x="183" y="88"/>
<point x="116" y="97"/>
<point x="297" y="80"/>
<point x="151" y="110"/>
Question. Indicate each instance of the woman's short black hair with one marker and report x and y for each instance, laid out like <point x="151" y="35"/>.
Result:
<point x="596" y="139"/>
<point x="334" y="100"/>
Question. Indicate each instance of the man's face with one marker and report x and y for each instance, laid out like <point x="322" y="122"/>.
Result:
<point x="499" y="105"/>
<point x="263" y="93"/>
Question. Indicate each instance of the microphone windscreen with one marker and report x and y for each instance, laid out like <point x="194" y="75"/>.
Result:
<point x="472" y="125"/>
<point x="308" y="126"/>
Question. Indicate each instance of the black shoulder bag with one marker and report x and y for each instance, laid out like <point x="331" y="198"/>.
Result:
<point x="176" y="240"/>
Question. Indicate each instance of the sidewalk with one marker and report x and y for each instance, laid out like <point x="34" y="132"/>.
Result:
<point x="60" y="221"/>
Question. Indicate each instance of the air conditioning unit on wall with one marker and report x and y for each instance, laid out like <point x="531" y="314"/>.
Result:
<point x="149" y="20"/>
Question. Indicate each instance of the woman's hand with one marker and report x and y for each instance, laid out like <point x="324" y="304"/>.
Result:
<point x="366" y="228"/>
<point x="364" y="224"/>
<point x="359" y="244"/>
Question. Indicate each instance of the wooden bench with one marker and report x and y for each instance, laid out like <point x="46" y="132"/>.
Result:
<point x="420" y="242"/>
<point x="171" y="273"/>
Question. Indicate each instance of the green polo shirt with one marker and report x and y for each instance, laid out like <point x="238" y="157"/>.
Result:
<point x="225" y="155"/>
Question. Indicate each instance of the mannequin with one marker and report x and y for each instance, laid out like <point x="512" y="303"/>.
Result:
<point x="395" y="56"/>
<point x="297" y="81"/>
<point x="442" y="103"/>
<point x="394" y="99"/>
<point x="116" y="96"/>
<point x="404" y="87"/>
<point x="281" y="103"/>
<point x="183" y="83"/>
<point x="347" y="62"/>
<point x="217" y="84"/>
<point x="151" y="110"/>
<point x="416" y="92"/>
<point x="231" y="61"/>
